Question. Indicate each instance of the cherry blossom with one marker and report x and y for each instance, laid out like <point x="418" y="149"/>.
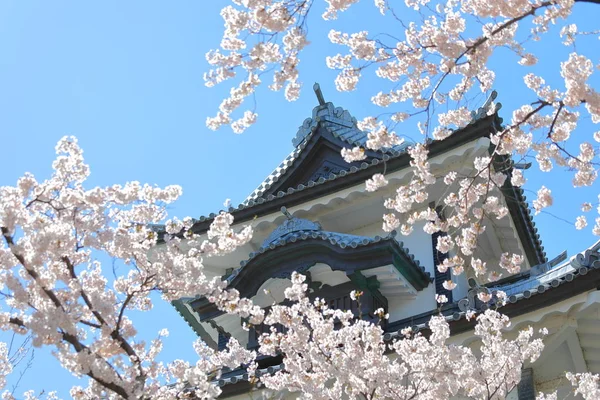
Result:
<point x="449" y="285"/>
<point x="376" y="182"/>
<point x="59" y="293"/>
<point x="511" y="262"/>
<point x="177" y="272"/>
<point x="322" y="361"/>
<point x="380" y="138"/>
<point x="354" y="154"/>
<point x="585" y="384"/>
<point x="580" y="222"/>
<point x="484" y="297"/>
<point x="441" y="299"/>
<point x="479" y="267"/>
<point x="444" y="244"/>
<point x="517" y="178"/>
<point x="544" y="199"/>
<point x="434" y="67"/>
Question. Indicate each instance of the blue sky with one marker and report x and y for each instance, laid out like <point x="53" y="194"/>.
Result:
<point x="126" y="79"/>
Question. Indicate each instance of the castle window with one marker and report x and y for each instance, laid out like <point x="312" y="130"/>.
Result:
<point x="222" y="341"/>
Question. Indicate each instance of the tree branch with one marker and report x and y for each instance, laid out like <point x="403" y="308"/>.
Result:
<point x="115" y="335"/>
<point x="67" y="337"/>
<point x="11" y="245"/>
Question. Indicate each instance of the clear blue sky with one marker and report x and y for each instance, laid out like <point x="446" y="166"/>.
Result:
<point x="126" y="79"/>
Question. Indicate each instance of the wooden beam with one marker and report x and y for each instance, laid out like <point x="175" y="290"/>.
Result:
<point x="577" y="353"/>
<point x="556" y="341"/>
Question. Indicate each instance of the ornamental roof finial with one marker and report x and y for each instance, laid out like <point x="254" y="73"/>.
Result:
<point x="285" y="212"/>
<point x="488" y="108"/>
<point x="319" y="94"/>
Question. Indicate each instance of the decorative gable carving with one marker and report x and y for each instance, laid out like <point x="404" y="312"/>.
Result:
<point x="327" y="168"/>
<point x="316" y="156"/>
<point x="319" y="158"/>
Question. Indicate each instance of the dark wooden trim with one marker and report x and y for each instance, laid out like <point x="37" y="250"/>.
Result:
<point x="526" y="387"/>
<point x="474" y="131"/>
<point x="481" y="128"/>
<point x="581" y="284"/>
<point x="439" y="258"/>
<point x="322" y="146"/>
<point x="301" y="255"/>
<point x="369" y="285"/>
<point x="589" y="282"/>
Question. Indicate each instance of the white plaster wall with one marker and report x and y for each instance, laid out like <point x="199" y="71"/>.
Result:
<point x="400" y="308"/>
<point x="550" y="375"/>
<point x="233" y="325"/>
<point x="323" y="273"/>
<point x="462" y="287"/>
<point x="419" y="244"/>
<point x="271" y="292"/>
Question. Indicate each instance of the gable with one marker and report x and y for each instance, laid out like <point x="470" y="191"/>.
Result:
<point x="319" y="158"/>
<point x="316" y="156"/>
<point x="315" y="168"/>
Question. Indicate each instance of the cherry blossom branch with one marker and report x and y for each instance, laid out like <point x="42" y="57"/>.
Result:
<point x="115" y="331"/>
<point x="79" y="348"/>
<point x="11" y="245"/>
<point x="69" y="338"/>
<point x="558" y="110"/>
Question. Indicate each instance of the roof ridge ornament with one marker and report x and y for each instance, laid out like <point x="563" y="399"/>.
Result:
<point x="547" y="266"/>
<point x="290" y="225"/>
<point x="319" y="93"/>
<point x="285" y="212"/>
<point x="488" y="107"/>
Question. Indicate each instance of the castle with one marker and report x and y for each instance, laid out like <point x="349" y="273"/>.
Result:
<point x="313" y="215"/>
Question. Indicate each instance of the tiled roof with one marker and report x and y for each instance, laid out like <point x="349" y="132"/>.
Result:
<point x="297" y="229"/>
<point x="290" y="225"/>
<point x="536" y="283"/>
<point x="342" y="125"/>
<point x="350" y="136"/>
<point x="338" y="122"/>
<point x="576" y="267"/>
<point x="517" y="195"/>
<point x="341" y="240"/>
<point x="540" y="280"/>
<point x="257" y="195"/>
<point x="274" y="176"/>
<point x="240" y="374"/>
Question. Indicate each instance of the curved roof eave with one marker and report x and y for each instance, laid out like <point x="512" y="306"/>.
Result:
<point x="303" y="252"/>
<point x="395" y="161"/>
<point x="556" y="284"/>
